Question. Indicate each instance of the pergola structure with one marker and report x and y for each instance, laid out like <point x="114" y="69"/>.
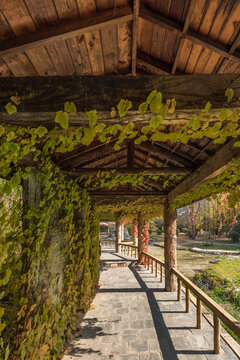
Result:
<point x="67" y="42"/>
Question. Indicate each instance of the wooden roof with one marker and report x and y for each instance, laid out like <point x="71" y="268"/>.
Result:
<point x="98" y="37"/>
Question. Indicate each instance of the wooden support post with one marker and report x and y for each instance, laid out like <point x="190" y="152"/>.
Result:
<point x="199" y="313"/>
<point x="140" y="236"/>
<point x="216" y="325"/>
<point x="156" y="268"/>
<point x="152" y="267"/>
<point x="170" y="247"/>
<point x="118" y="233"/>
<point x="187" y="298"/>
<point x="179" y="290"/>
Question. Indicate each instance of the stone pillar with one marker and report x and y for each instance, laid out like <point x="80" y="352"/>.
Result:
<point x="141" y="243"/>
<point x="170" y="247"/>
<point x="134" y="232"/>
<point x="118" y="233"/>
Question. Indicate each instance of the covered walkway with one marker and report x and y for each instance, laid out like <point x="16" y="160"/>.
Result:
<point x="132" y="317"/>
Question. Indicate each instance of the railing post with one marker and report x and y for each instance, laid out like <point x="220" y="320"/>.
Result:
<point x="148" y="262"/>
<point x="152" y="267"/>
<point x="216" y="325"/>
<point x="187" y="300"/>
<point x="199" y="313"/>
<point x="161" y="273"/>
<point x="156" y="268"/>
<point x="128" y="250"/>
<point x="118" y="233"/>
<point x="179" y="290"/>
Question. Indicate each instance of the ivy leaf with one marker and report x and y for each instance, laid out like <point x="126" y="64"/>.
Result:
<point x="138" y="140"/>
<point x="2" y="327"/>
<point x="173" y="105"/>
<point x="207" y="107"/>
<point x="133" y="134"/>
<point x="43" y="351"/>
<point x="236" y="144"/>
<point x="196" y="123"/>
<point x="70" y="107"/>
<point x="151" y="96"/>
<point x="41" y="131"/>
<point x="224" y="114"/>
<point x="78" y="133"/>
<point x="116" y="146"/>
<point x="229" y="94"/>
<point x="123" y="107"/>
<point x="89" y="135"/>
<point x="129" y="128"/>
<point x="2" y="130"/>
<point x="61" y="118"/>
<point x="100" y="127"/>
<point x="156" y="103"/>
<point x="145" y="129"/>
<point x="11" y="109"/>
<point x="92" y="116"/>
<point x="1" y="312"/>
<point x="143" y="108"/>
<point x="7" y="353"/>
<point x="156" y="121"/>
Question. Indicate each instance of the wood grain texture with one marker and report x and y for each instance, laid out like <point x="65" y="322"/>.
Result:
<point x="93" y="42"/>
<point x="79" y="53"/>
<point x="103" y="92"/>
<point x="124" y="45"/>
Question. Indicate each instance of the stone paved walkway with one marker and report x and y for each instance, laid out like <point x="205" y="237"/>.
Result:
<point x="132" y="318"/>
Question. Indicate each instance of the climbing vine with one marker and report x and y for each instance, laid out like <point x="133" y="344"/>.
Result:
<point x="40" y="203"/>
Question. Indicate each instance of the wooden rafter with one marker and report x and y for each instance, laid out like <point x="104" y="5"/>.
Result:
<point x="185" y="29"/>
<point x="211" y="168"/>
<point x="160" y="151"/>
<point x="194" y="37"/>
<point x="66" y="30"/>
<point x="151" y="65"/>
<point x="105" y="159"/>
<point x="136" y="4"/>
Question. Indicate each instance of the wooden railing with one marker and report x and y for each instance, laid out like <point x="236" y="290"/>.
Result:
<point x="127" y="249"/>
<point x="109" y="244"/>
<point x="218" y="312"/>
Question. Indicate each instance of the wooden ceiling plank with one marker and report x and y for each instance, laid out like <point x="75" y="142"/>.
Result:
<point x="185" y="29"/>
<point x="79" y="53"/>
<point x="211" y="168"/>
<point x="231" y="51"/>
<point x="4" y="69"/>
<point x="94" y="46"/>
<point x="65" y="30"/>
<point x="136" y="4"/>
<point x="124" y="45"/>
<point x="194" y="37"/>
<point x="109" y="41"/>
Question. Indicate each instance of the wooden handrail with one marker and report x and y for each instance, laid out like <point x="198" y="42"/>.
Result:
<point x="218" y="312"/>
<point x="223" y="315"/>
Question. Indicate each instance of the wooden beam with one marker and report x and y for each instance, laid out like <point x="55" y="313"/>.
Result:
<point x="66" y="30"/>
<point x="103" y="92"/>
<point x="125" y="171"/>
<point x="151" y="65"/>
<point x="211" y="168"/>
<point x="136" y="4"/>
<point x="103" y="159"/>
<point x="127" y="193"/>
<point x="185" y="29"/>
<point x="194" y="37"/>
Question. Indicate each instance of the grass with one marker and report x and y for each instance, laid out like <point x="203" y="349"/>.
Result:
<point x="228" y="269"/>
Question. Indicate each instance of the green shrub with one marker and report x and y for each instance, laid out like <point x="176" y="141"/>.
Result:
<point x="234" y="235"/>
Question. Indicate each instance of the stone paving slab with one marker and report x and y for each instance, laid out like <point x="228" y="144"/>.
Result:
<point x="133" y="318"/>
